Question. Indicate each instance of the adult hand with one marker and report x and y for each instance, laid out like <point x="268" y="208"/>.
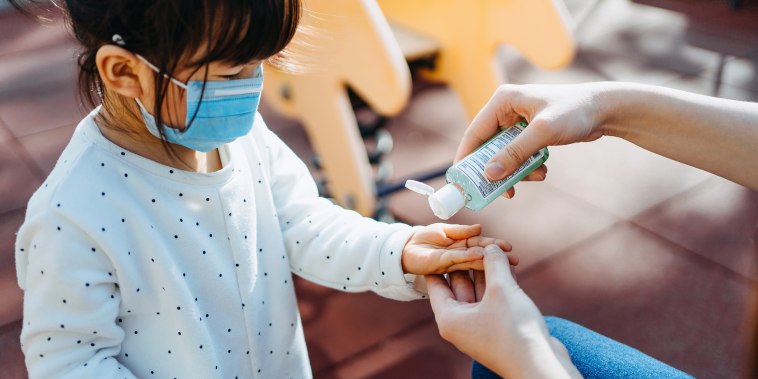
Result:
<point x="493" y="321"/>
<point x="557" y="115"/>
<point x="441" y="248"/>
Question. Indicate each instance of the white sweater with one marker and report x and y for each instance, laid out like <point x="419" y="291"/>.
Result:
<point x="135" y="269"/>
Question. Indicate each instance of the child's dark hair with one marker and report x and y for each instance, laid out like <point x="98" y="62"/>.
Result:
<point x="167" y="32"/>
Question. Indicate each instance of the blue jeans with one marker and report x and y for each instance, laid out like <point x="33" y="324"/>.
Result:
<point x="597" y="356"/>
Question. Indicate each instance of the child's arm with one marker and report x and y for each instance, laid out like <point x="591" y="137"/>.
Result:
<point x="71" y="302"/>
<point x="330" y="245"/>
<point x="339" y="248"/>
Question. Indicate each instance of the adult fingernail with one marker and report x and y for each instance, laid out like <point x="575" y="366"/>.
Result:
<point x="494" y="171"/>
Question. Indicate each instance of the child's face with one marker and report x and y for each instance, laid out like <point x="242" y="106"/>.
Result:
<point x="174" y="109"/>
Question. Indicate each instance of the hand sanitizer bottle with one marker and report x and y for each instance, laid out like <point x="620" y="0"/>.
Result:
<point x="467" y="186"/>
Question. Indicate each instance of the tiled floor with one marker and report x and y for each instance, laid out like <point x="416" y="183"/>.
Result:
<point x="640" y="248"/>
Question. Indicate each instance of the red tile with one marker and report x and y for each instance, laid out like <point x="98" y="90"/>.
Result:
<point x="718" y="220"/>
<point x="584" y="68"/>
<point x="646" y="292"/>
<point x="5" y="134"/>
<point x="539" y="221"/>
<point x="610" y="17"/>
<point x="710" y="86"/>
<point x="435" y="109"/>
<point x="10" y="293"/>
<point x="17" y="180"/>
<point x="45" y="147"/>
<point x="297" y="140"/>
<point x="19" y="33"/>
<point x="715" y="17"/>
<point x="417" y="353"/>
<point x="739" y="72"/>
<point x="274" y="120"/>
<point x="32" y="110"/>
<point x="38" y="68"/>
<point x="417" y="150"/>
<point x="12" y="359"/>
<point x="591" y="64"/>
<point x="617" y="176"/>
<point x="340" y="325"/>
<point x="670" y="44"/>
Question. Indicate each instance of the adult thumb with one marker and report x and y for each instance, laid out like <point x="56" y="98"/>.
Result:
<point x="513" y="155"/>
<point x="497" y="268"/>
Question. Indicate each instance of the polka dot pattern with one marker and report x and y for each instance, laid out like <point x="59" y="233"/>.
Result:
<point x="174" y="257"/>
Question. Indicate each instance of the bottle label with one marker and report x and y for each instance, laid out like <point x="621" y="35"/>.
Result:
<point x="473" y="165"/>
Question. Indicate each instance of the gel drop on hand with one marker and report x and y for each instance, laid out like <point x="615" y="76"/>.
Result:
<point x="466" y="184"/>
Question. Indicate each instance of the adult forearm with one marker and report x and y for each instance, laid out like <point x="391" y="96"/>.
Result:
<point x="716" y="135"/>
<point x="542" y="357"/>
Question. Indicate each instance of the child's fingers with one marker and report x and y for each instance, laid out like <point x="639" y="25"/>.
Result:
<point x="458" y="256"/>
<point x="484" y="241"/>
<point x="461" y="232"/>
<point x="477" y="265"/>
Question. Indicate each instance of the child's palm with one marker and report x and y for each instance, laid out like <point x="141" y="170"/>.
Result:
<point x="441" y="248"/>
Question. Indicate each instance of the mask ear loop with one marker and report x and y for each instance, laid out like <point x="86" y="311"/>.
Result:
<point x="118" y="40"/>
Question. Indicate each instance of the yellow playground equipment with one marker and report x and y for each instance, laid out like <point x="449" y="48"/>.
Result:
<point x="348" y="45"/>
<point x="469" y="33"/>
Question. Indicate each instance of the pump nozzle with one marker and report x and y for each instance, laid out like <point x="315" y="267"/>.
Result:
<point x="444" y="203"/>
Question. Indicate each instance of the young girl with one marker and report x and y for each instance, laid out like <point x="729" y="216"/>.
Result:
<point x="163" y="242"/>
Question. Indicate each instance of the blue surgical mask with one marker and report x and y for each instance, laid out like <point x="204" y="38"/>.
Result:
<point x="225" y="111"/>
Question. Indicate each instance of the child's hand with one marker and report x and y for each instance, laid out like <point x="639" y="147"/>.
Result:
<point x="441" y="248"/>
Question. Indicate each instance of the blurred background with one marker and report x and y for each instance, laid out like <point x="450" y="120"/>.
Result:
<point x="645" y="250"/>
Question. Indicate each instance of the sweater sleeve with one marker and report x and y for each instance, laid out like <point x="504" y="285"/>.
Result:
<point x="71" y="302"/>
<point x="330" y="245"/>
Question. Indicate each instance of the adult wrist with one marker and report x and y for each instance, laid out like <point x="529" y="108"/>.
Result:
<point x="544" y="358"/>
<point x="618" y="105"/>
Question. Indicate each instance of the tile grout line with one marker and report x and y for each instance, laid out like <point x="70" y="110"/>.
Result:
<point x="23" y="154"/>
<point x="368" y="350"/>
<point x="688" y="255"/>
<point x="704" y="261"/>
<point x="634" y="220"/>
<point x="540" y="265"/>
<point x="565" y="251"/>
<point x="38" y="132"/>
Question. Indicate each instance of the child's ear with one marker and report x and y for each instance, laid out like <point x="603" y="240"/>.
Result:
<point x="119" y="70"/>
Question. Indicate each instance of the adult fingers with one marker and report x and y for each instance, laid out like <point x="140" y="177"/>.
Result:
<point x="480" y="284"/>
<point x="440" y="294"/>
<point x="513" y="155"/>
<point x="462" y="286"/>
<point x="539" y="174"/>
<point x="498" y="112"/>
<point x="497" y="269"/>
